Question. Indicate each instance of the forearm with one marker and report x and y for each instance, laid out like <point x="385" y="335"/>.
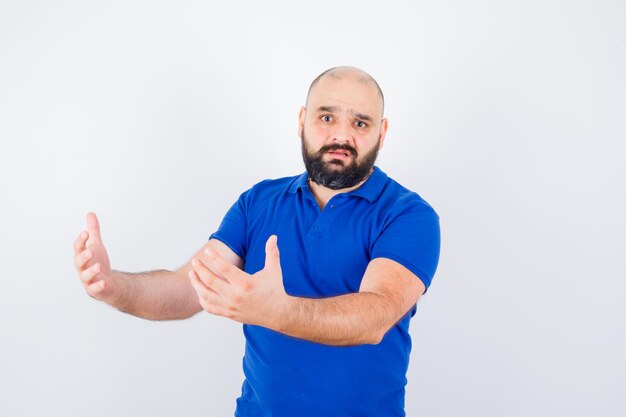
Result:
<point x="155" y="295"/>
<point x="346" y="320"/>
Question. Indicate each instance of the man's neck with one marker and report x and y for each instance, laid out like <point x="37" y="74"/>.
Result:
<point x="324" y="194"/>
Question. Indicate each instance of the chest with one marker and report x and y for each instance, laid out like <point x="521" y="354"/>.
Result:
<point x="323" y="253"/>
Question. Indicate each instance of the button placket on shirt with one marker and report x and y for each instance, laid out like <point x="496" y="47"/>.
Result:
<point x="326" y="216"/>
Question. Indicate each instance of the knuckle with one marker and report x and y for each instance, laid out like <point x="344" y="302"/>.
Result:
<point x="85" y="275"/>
<point x="224" y="268"/>
<point x="205" y="301"/>
<point x="80" y="260"/>
<point x="92" y="290"/>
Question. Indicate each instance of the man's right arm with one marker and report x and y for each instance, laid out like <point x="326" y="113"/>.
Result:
<point x="153" y="295"/>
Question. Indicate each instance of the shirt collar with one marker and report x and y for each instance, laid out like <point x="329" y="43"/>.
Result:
<point x="370" y="190"/>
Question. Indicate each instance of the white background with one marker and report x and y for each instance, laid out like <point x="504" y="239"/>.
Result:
<point x="507" y="116"/>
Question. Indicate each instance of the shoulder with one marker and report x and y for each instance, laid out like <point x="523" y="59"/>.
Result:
<point x="397" y="199"/>
<point x="271" y="188"/>
<point x="275" y="185"/>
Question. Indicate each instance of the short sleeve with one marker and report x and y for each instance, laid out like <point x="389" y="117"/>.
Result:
<point x="412" y="238"/>
<point x="233" y="229"/>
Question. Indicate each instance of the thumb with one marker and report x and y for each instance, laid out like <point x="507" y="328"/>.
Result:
<point x="272" y="255"/>
<point x="93" y="227"/>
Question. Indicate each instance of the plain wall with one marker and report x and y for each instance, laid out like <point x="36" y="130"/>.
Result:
<point x="508" y="117"/>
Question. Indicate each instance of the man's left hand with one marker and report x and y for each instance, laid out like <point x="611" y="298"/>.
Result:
<point x="225" y="290"/>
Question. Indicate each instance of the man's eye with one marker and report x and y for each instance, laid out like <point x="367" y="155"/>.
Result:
<point x="327" y="118"/>
<point x="360" y="124"/>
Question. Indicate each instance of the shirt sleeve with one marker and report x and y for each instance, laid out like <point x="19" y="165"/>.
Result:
<point x="233" y="229"/>
<point x="412" y="238"/>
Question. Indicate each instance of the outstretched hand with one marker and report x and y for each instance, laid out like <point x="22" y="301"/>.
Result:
<point x="92" y="262"/>
<point x="225" y="290"/>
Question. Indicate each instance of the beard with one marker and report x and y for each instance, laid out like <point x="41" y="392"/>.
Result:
<point x="337" y="174"/>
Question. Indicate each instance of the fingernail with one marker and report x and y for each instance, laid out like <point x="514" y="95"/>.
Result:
<point x="194" y="262"/>
<point x="208" y="251"/>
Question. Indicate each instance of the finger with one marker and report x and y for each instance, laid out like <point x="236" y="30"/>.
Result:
<point x="93" y="226"/>
<point x="195" y="280"/>
<point x="204" y="294"/>
<point x="210" y="308"/>
<point x="81" y="259"/>
<point x="222" y="268"/>
<point x="79" y="243"/>
<point x="95" y="288"/>
<point x="272" y="255"/>
<point x="210" y="280"/>
<point x="89" y="274"/>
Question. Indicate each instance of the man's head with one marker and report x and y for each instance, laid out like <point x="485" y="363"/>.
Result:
<point x="342" y="127"/>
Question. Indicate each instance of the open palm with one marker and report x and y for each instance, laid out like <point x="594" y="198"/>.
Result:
<point x="92" y="262"/>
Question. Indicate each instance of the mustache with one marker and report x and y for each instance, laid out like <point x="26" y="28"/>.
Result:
<point x="337" y="147"/>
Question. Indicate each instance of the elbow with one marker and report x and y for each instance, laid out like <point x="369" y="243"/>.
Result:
<point x="377" y="333"/>
<point x="375" y="341"/>
<point x="376" y="337"/>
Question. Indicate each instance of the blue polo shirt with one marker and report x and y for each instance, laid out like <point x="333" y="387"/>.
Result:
<point x="324" y="253"/>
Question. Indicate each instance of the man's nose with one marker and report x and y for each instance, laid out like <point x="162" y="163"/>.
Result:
<point x="343" y="133"/>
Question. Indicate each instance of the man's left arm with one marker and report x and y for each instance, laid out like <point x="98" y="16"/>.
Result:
<point x="388" y="290"/>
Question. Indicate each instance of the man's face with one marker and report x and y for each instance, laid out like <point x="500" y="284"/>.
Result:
<point x="341" y="131"/>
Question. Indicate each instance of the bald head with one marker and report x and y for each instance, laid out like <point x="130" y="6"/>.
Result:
<point x="347" y="72"/>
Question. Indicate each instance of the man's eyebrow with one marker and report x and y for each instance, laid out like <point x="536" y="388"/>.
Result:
<point x="326" y="108"/>
<point x="363" y="117"/>
<point x="333" y="109"/>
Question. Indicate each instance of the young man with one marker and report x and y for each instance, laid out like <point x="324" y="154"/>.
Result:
<point x="326" y="319"/>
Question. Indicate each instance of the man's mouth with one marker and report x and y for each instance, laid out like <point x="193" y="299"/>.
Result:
<point x="339" y="154"/>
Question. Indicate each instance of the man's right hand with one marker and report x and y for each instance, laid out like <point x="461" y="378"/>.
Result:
<point x="92" y="263"/>
<point x="153" y="295"/>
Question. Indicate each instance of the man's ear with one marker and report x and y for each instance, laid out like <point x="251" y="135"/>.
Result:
<point x="301" y="118"/>
<point x="384" y="124"/>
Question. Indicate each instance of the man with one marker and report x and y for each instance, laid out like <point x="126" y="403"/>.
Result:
<point x="325" y="319"/>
